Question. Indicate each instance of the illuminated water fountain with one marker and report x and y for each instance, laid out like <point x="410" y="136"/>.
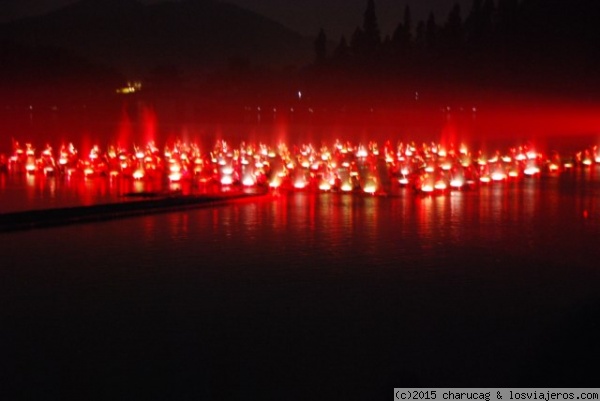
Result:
<point x="342" y="167"/>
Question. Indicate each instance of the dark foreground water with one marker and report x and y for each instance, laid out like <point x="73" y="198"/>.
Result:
<point x="310" y="296"/>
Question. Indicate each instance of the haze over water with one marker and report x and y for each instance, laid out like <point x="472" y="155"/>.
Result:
<point x="506" y="121"/>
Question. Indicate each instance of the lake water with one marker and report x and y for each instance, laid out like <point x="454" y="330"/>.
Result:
<point x="316" y="294"/>
<point x="307" y="296"/>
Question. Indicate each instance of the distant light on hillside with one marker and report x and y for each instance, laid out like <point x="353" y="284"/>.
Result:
<point x="131" y="87"/>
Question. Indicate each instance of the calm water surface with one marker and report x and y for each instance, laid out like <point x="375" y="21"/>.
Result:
<point x="311" y="296"/>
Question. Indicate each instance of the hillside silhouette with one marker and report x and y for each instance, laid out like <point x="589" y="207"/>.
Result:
<point x="190" y="37"/>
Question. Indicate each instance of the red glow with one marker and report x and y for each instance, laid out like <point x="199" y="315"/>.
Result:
<point x="343" y="166"/>
<point x="124" y="133"/>
<point x="150" y="124"/>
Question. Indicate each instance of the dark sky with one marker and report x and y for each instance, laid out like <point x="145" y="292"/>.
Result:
<point x="337" y="17"/>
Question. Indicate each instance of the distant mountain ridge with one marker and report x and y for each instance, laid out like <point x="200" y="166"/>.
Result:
<point x="190" y="36"/>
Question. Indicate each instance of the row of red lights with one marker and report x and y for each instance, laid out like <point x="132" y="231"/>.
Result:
<point x="343" y="166"/>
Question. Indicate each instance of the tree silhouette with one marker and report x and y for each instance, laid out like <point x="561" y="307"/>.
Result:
<point x="507" y="18"/>
<point x="487" y="20"/>
<point x="321" y="47"/>
<point x="431" y="33"/>
<point x="357" y="42"/>
<point x="402" y="36"/>
<point x="421" y="36"/>
<point x="474" y="23"/>
<point x="453" y="30"/>
<point x="372" y="36"/>
<point x="408" y="21"/>
<point x="341" y="53"/>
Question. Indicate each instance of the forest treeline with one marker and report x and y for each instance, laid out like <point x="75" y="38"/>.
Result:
<point x="530" y="44"/>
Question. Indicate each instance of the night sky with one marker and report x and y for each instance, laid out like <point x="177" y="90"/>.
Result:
<point x="337" y="17"/>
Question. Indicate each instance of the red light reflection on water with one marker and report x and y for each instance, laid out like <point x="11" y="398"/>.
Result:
<point x="20" y="192"/>
<point x="382" y="230"/>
